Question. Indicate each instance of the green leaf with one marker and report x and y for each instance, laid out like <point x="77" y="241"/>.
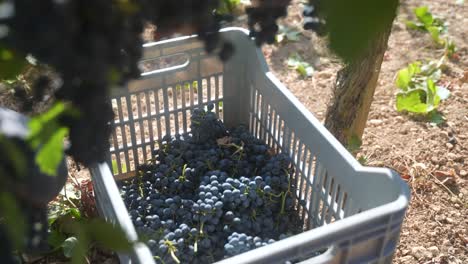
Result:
<point x="432" y="97"/>
<point x="414" y="68"/>
<point x="450" y="48"/>
<point x="69" y="246"/>
<point x="443" y="92"/>
<point x="403" y="79"/>
<point x="75" y="213"/>
<point x="436" y="117"/>
<point x="431" y="70"/>
<point x="56" y="239"/>
<point x="423" y="15"/>
<point x="43" y="125"/>
<point x="301" y="70"/>
<point x="12" y="63"/>
<point x="413" y="101"/>
<point x="293" y="61"/>
<point x="80" y="250"/>
<point x="50" y="155"/>
<point x="110" y="236"/>
<point x="435" y="34"/>
<point x="10" y="82"/>
<point x="46" y="137"/>
<point x="414" y="26"/>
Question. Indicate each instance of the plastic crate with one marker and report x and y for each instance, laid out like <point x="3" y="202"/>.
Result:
<point x="353" y="213"/>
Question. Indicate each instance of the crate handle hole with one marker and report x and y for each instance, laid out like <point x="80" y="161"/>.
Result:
<point x="165" y="63"/>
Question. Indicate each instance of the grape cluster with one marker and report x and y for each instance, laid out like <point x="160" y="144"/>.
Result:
<point x="205" y="126"/>
<point x="312" y="19"/>
<point x="78" y="40"/>
<point x="262" y="18"/>
<point x="240" y="242"/>
<point x="206" y="189"/>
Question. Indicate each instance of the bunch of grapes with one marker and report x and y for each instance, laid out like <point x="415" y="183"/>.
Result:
<point x="79" y="41"/>
<point x="240" y="242"/>
<point x="313" y="19"/>
<point x="262" y="17"/>
<point x="211" y="194"/>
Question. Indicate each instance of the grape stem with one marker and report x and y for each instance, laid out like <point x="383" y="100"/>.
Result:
<point x="174" y="257"/>
<point x="283" y="202"/>
<point x="201" y="228"/>
<point x="172" y="249"/>
<point x="239" y="149"/>
<point x="182" y="177"/>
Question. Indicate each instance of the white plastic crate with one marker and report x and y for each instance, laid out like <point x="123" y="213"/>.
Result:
<point x="353" y="213"/>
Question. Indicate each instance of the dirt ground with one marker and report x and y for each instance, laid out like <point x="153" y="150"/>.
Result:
<point x="432" y="159"/>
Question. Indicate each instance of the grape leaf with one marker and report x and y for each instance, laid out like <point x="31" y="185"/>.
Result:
<point x="432" y="99"/>
<point x="412" y="101"/>
<point x="293" y="60"/>
<point x="403" y="79"/>
<point x="303" y="68"/>
<point x="50" y="155"/>
<point x="56" y="239"/>
<point x="46" y="137"/>
<point x="423" y="15"/>
<point x="43" y="126"/>
<point x="435" y="34"/>
<point x="436" y="118"/>
<point x="414" y="25"/>
<point x="69" y="246"/>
